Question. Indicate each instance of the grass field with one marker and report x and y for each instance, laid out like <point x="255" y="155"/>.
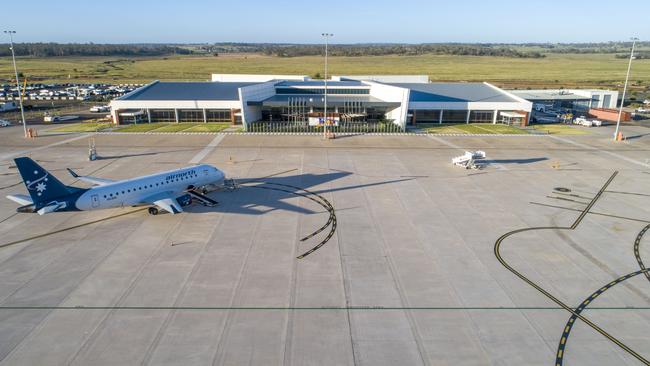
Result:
<point x="558" y="129"/>
<point x="472" y="128"/>
<point x="565" y="70"/>
<point x="82" y="127"/>
<point x="208" y="127"/>
<point x="144" y="127"/>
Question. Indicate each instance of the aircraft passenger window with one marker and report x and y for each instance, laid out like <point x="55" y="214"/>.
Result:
<point x="129" y="191"/>
<point x="104" y="196"/>
<point x="111" y="195"/>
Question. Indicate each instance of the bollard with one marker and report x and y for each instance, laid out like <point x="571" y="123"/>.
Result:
<point x="619" y="136"/>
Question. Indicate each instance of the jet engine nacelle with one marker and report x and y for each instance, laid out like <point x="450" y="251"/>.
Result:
<point x="184" y="200"/>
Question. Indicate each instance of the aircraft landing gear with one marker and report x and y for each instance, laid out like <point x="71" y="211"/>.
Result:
<point x="153" y="211"/>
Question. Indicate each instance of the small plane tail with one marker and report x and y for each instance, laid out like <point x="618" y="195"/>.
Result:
<point x="42" y="186"/>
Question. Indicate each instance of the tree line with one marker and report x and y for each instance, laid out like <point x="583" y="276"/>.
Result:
<point x="91" y="49"/>
<point x="399" y="49"/>
<point x="525" y="50"/>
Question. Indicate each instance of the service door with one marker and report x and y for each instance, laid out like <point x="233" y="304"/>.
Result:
<point x="95" y="200"/>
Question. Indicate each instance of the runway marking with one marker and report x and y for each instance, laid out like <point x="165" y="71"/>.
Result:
<point x="497" y="253"/>
<point x="566" y="199"/>
<point x="567" y="329"/>
<point x="25" y="152"/>
<point x="591" y="212"/>
<point x="588" y="147"/>
<point x="206" y="150"/>
<point x="445" y="142"/>
<point x="631" y="193"/>
<point x="637" y="255"/>
<point x="69" y="228"/>
<point x="281" y="308"/>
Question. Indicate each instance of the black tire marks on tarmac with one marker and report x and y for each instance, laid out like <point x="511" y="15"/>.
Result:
<point x="315" y="197"/>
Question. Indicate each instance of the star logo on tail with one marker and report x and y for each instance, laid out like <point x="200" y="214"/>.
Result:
<point x="40" y="188"/>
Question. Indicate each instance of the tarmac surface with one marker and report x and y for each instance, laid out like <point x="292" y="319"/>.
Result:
<point x="416" y="262"/>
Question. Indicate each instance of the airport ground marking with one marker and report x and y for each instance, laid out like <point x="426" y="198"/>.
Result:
<point x="29" y="151"/>
<point x="591" y="212"/>
<point x="637" y="255"/>
<point x="68" y="228"/>
<point x="206" y="150"/>
<point x="610" y="153"/>
<point x="578" y="220"/>
<point x="569" y="326"/>
<point x="342" y="308"/>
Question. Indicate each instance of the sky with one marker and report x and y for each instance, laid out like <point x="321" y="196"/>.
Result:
<point x="367" y="21"/>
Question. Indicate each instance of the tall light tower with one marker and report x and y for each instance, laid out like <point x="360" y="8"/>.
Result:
<point x="20" y="94"/>
<point x="627" y="77"/>
<point x="327" y="36"/>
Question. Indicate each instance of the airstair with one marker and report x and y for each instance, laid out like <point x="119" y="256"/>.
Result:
<point x="202" y="199"/>
<point x="469" y="159"/>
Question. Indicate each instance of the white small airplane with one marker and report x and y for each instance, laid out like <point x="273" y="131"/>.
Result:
<point x="170" y="190"/>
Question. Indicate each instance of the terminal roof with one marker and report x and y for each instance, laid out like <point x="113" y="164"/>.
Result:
<point x="454" y="92"/>
<point x="188" y="91"/>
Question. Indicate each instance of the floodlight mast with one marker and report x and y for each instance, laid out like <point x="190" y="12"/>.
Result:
<point x="326" y="35"/>
<point x="20" y="95"/>
<point x="627" y="77"/>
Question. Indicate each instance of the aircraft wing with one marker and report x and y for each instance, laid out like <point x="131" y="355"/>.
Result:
<point x="165" y="200"/>
<point x="91" y="180"/>
<point x="169" y="204"/>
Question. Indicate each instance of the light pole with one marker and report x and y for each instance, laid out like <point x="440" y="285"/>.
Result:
<point x="327" y="36"/>
<point x="627" y="76"/>
<point x="20" y="94"/>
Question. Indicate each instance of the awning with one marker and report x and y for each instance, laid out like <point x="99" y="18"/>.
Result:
<point x="131" y="114"/>
<point x="512" y="115"/>
<point x="317" y="100"/>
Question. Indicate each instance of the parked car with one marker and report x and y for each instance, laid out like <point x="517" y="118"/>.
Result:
<point x="4" y="123"/>
<point x="100" y="109"/>
<point x="55" y="119"/>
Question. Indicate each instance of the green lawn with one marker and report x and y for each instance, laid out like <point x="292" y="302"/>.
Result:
<point x="567" y="70"/>
<point x="560" y="129"/>
<point x="208" y="127"/>
<point x="144" y="127"/>
<point x="141" y="127"/>
<point x="472" y="128"/>
<point x="82" y="127"/>
<point x="174" y="127"/>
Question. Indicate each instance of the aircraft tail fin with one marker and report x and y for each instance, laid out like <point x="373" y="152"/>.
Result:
<point x="41" y="184"/>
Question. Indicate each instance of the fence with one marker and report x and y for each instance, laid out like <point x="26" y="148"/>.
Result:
<point x="343" y="127"/>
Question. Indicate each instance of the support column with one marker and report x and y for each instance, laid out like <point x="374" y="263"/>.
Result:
<point x="205" y="116"/>
<point x="442" y="111"/>
<point x="116" y="116"/>
<point x="176" y="114"/>
<point x="467" y="117"/>
<point x="414" y="119"/>
<point x="494" y="117"/>
<point x="148" y="115"/>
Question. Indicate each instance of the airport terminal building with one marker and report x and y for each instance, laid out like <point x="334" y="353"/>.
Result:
<point x="399" y="100"/>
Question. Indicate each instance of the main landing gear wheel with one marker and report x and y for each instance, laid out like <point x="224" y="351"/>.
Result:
<point x="153" y="211"/>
